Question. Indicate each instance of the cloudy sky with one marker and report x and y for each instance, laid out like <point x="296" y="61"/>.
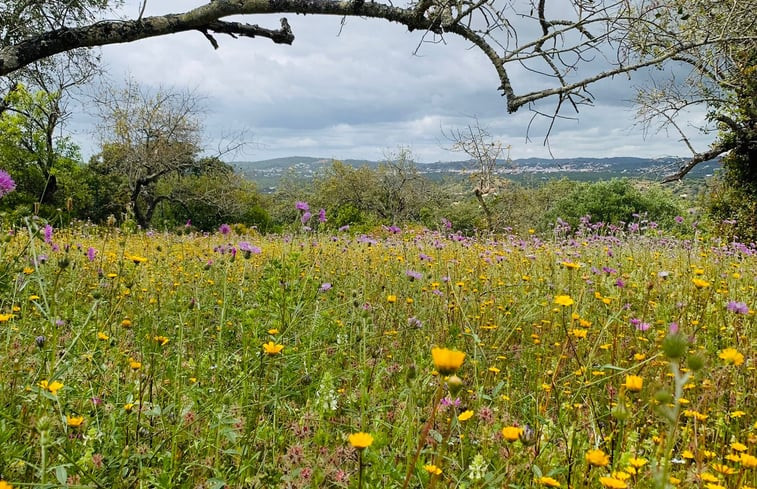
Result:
<point x="361" y="92"/>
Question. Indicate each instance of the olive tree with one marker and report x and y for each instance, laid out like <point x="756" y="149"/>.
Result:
<point x="148" y="136"/>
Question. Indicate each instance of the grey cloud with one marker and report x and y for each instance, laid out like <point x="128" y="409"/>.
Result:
<point x="362" y="92"/>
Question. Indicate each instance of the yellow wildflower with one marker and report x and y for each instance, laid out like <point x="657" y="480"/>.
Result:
<point x="723" y="469"/>
<point x="638" y="462"/>
<point x="432" y="469"/>
<point x="74" y="421"/>
<point x="52" y="387"/>
<point x="136" y="259"/>
<point x="465" y="415"/>
<point x="707" y="477"/>
<point x="634" y="383"/>
<point x="700" y="284"/>
<point x="511" y="433"/>
<point x="731" y="356"/>
<point x="447" y="361"/>
<point x="547" y="481"/>
<point x="163" y="340"/>
<point x="748" y="461"/>
<point x="360" y="440"/>
<point x="612" y="483"/>
<point x="739" y="447"/>
<point x="564" y="300"/>
<point x="272" y="348"/>
<point x="597" y="458"/>
<point x="711" y="485"/>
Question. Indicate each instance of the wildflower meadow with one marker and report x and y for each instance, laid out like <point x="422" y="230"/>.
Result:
<point x="402" y="358"/>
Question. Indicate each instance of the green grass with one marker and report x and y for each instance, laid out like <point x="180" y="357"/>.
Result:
<point x="158" y="343"/>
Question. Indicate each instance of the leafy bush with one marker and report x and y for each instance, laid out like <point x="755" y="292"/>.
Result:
<point x="615" y="201"/>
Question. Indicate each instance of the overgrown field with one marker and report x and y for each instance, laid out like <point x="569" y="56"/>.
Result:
<point x="239" y="360"/>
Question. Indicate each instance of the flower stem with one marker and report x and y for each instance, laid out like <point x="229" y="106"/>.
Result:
<point x="424" y="433"/>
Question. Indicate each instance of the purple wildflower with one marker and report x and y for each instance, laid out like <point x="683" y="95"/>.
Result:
<point x="301" y="206"/>
<point x="305" y="217"/>
<point x="91" y="253"/>
<point x="414" y="322"/>
<point x="447" y="402"/>
<point x="322" y="215"/>
<point x="363" y="238"/>
<point x="48" y="233"/>
<point x="248" y="249"/>
<point x="413" y="275"/>
<point x="346" y="227"/>
<point x="673" y="328"/>
<point x="737" y="307"/>
<point x="619" y="283"/>
<point x="325" y="286"/>
<point x="7" y="185"/>
<point x="639" y="325"/>
<point x="678" y="219"/>
<point x="224" y="229"/>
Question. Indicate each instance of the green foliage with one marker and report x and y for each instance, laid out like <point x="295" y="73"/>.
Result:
<point x="46" y="167"/>
<point x="732" y="201"/>
<point x="731" y="208"/>
<point x="209" y="196"/>
<point x="614" y="202"/>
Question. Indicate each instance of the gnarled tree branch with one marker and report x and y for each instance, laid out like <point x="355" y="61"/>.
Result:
<point x="715" y="150"/>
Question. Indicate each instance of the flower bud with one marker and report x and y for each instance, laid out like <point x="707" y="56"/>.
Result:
<point x="454" y="383"/>
<point x="695" y="363"/>
<point x="620" y="412"/>
<point x="674" y="346"/>
<point x="663" y="397"/>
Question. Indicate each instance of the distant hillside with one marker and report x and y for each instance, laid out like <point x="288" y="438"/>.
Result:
<point x="268" y="172"/>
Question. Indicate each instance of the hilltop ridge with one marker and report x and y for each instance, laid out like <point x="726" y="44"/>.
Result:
<point x="267" y="172"/>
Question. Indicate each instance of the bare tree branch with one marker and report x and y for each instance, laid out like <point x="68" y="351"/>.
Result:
<point x="715" y="150"/>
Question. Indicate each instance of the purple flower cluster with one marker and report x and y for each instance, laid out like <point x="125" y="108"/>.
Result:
<point x="7" y="185"/>
<point x="737" y="307"/>
<point x="48" y="233"/>
<point x="413" y="275"/>
<point x="639" y="325"/>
